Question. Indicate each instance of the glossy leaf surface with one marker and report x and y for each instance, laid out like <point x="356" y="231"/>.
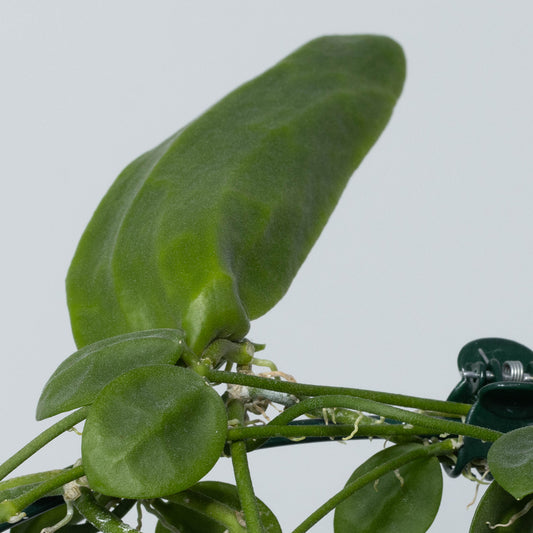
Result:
<point x="78" y="380"/>
<point x="153" y="431"/>
<point x="498" y="507"/>
<point x="511" y="461"/>
<point x="211" y="495"/>
<point x="391" y="506"/>
<point x="207" y="230"/>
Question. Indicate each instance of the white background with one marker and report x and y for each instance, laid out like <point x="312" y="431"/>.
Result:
<point x="429" y="248"/>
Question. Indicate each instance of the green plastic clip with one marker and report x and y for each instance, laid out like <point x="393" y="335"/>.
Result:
<point x="497" y="379"/>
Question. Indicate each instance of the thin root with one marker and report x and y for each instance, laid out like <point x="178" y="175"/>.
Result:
<point x="277" y="374"/>
<point x="399" y="476"/>
<point x="515" y="517"/>
<point x="476" y="490"/>
<point x="355" y="428"/>
<point x="67" y="518"/>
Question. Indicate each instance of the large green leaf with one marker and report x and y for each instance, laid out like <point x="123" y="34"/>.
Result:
<point x="207" y="230"/>
<point x="153" y="431"/>
<point x="209" y="507"/>
<point x="79" y="378"/>
<point x="498" y="507"/>
<point x="393" y="506"/>
<point x="511" y="461"/>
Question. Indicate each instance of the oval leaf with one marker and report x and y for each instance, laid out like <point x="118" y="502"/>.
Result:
<point x="511" y="461"/>
<point x="498" y="507"/>
<point x="79" y="378"/>
<point x="207" y="231"/>
<point x="153" y="431"/>
<point x="393" y="506"/>
<point x="216" y="508"/>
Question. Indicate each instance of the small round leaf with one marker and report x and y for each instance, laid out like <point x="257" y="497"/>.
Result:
<point x="511" y="461"/>
<point x="153" y="431"/>
<point x="406" y="505"/>
<point x="498" y="507"/>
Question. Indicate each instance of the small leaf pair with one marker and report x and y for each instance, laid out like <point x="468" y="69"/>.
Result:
<point x="153" y="428"/>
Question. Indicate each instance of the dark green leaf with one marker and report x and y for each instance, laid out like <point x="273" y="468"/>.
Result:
<point x="207" y="230"/>
<point x="393" y="506"/>
<point x="50" y="518"/>
<point x="511" y="461"/>
<point x="209" y="507"/>
<point x="498" y="507"/>
<point x="153" y="431"/>
<point x="46" y="519"/>
<point x="79" y="378"/>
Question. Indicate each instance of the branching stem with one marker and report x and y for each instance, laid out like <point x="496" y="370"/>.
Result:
<point x="12" y="510"/>
<point x="303" y="390"/>
<point x="332" y="430"/>
<point x="436" y="425"/>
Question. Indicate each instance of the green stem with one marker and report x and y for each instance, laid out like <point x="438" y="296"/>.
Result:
<point x="102" y="519"/>
<point x="441" y="448"/>
<point x="12" y="510"/>
<point x="302" y="389"/>
<point x="333" y="430"/>
<point x="242" y="474"/>
<point x="436" y="425"/>
<point x="41" y="440"/>
<point x="15" y="487"/>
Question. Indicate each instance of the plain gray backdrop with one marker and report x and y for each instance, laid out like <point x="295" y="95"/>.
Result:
<point x="430" y="246"/>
